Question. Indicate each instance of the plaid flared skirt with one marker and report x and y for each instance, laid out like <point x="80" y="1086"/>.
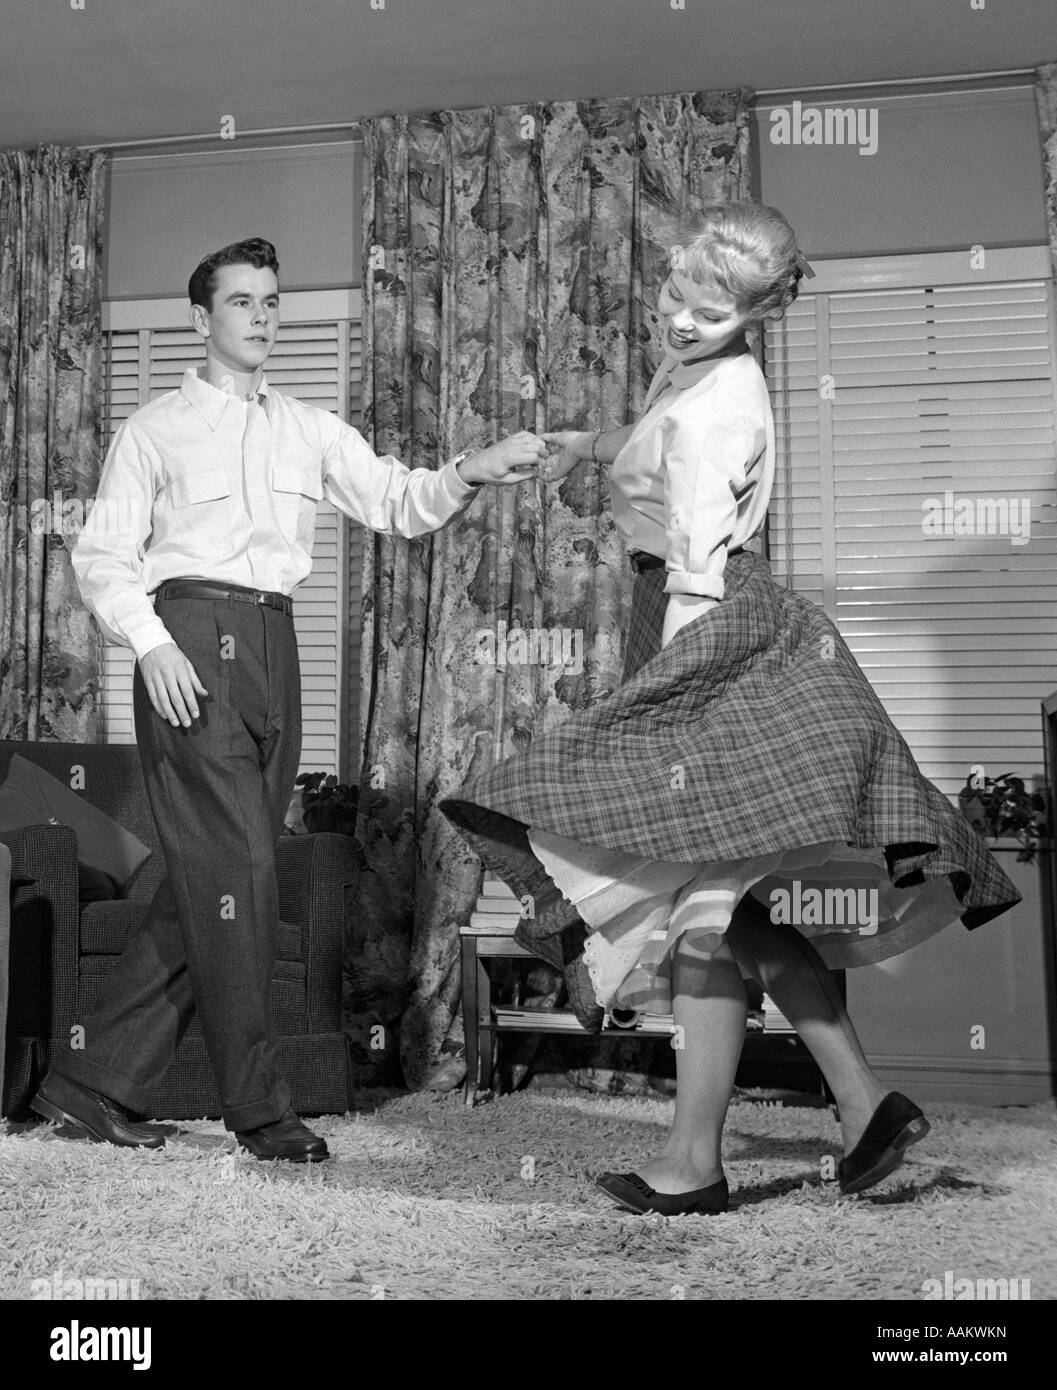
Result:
<point x="749" y="755"/>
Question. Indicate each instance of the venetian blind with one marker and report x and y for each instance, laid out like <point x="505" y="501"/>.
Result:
<point x="317" y="359"/>
<point x="916" y="496"/>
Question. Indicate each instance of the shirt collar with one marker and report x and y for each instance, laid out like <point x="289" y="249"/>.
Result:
<point x="683" y="375"/>
<point x="211" y="402"/>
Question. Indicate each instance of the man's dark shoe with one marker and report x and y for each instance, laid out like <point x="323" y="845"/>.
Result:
<point x="284" y="1138"/>
<point x="96" y="1116"/>
<point x="153" y="1126"/>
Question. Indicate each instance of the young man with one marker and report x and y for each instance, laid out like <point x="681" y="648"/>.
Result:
<point x="222" y="479"/>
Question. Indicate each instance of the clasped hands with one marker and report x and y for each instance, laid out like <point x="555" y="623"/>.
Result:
<point x="526" y="455"/>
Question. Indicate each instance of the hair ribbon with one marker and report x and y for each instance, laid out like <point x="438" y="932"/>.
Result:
<point x="804" y="265"/>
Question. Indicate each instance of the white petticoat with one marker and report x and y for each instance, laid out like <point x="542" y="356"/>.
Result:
<point x="636" y="909"/>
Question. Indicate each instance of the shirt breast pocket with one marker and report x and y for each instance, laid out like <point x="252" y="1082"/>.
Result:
<point x="305" y="478"/>
<point x="297" y="488"/>
<point x="204" y="485"/>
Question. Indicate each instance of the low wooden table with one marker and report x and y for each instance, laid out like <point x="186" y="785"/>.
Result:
<point x="483" y="1020"/>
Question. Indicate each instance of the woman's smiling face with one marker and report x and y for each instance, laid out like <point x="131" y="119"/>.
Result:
<point x="699" y="320"/>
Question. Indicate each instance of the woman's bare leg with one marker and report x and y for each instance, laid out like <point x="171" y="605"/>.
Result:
<point x="709" y="1007"/>
<point x="790" y="970"/>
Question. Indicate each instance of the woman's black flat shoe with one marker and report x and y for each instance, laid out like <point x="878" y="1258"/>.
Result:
<point x="638" y="1196"/>
<point x="894" y="1126"/>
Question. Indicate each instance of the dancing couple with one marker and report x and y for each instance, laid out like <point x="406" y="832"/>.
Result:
<point x="653" y="891"/>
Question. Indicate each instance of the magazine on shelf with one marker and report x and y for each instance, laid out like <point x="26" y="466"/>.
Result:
<point x="774" y="1021"/>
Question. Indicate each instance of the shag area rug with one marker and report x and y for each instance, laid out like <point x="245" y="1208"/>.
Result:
<point x="423" y="1198"/>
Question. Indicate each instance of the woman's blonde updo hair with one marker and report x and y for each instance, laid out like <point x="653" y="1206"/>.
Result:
<point x="748" y="250"/>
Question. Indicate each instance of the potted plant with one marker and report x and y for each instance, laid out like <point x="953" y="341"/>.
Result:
<point x="330" y="805"/>
<point x="1003" y="806"/>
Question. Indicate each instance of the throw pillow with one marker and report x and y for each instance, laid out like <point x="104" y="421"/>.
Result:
<point x="31" y="796"/>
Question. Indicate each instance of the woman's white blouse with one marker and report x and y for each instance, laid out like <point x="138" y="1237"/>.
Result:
<point x="694" y="479"/>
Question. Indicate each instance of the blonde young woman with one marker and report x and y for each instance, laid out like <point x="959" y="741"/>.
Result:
<point x="744" y="761"/>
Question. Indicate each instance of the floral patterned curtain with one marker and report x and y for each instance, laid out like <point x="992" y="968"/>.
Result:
<point x="1046" y="100"/>
<point x="51" y="440"/>
<point x="512" y="259"/>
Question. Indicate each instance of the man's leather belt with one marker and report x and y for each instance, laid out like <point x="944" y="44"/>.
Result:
<point x="642" y="560"/>
<point x="206" y="588"/>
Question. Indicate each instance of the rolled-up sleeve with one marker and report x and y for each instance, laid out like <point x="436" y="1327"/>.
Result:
<point x="384" y="494"/>
<point x="705" y="479"/>
<point x="108" y="556"/>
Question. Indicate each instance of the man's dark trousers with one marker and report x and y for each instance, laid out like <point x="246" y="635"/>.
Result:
<point x="219" y="792"/>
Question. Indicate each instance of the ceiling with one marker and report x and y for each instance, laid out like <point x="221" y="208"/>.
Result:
<point x="119" y="70"/>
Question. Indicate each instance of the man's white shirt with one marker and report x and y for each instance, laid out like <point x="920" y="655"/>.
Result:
<point x="201" y="484"/>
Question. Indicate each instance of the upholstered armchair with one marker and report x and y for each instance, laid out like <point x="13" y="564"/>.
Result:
<point x="60" y="949"/>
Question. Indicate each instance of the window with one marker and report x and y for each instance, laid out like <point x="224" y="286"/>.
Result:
<point x="916" y="496"/>
<point x="316" y="359"/>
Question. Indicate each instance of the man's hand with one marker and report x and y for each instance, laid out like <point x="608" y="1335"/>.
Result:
<point x="171" y="683"/>
<point x="512" y="460"/>
<point x="568" y="448"/>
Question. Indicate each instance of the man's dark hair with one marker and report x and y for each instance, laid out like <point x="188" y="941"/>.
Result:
<point x="256" y="252"/>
